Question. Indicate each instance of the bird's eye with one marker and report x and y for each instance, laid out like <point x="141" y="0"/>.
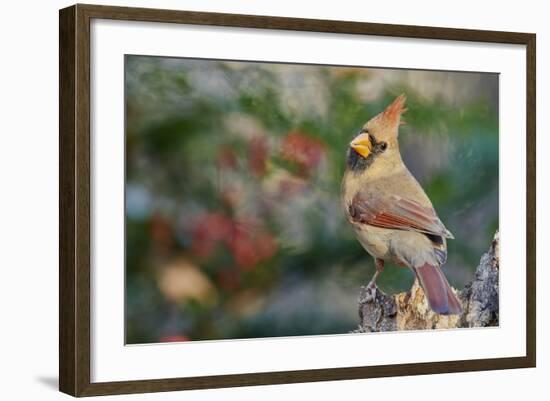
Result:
<point x="383" y="146"/>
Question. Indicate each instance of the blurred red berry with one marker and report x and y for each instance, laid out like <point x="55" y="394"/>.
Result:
<point x="266" y="245"/>
<point x="226" y="158"/>
<point x="257" y="155"/>
<point x="242" y="247"/>
<point x="304" y="150"/>
<point x="247" y="241"/>
<point x="250" y="244"/>
<point x="161" y="232"/>
<point x="229" y="279"/>
<point x="209" y="229"/>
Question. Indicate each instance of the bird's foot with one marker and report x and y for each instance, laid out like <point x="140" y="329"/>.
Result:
<point x="370" y="292"/>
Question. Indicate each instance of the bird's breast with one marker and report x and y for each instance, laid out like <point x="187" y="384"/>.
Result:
<point x="376" y="241"/>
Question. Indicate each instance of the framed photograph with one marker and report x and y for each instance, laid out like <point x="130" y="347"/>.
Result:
<point x="250" y="200"/>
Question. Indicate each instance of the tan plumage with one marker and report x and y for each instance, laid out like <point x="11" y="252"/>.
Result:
<point x="393" y="218"/>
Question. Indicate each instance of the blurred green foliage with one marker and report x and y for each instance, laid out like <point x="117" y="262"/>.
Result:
<point x="233" y="170"/>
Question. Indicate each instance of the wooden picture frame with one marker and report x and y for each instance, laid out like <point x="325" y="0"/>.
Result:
<point x="74" y="204"/>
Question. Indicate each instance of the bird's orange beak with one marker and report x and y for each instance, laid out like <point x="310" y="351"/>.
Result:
<point x="362" y="144"/>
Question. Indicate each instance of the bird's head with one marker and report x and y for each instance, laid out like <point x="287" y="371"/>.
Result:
<point x="377" y="140"/>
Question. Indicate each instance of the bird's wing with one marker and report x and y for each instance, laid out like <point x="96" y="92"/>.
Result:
<point x="396" y="212"/>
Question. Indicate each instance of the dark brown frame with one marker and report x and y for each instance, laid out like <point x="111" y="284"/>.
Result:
<point x="74" y="202"/>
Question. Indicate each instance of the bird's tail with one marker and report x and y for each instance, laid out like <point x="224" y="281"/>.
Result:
<point x="440" y="296"/>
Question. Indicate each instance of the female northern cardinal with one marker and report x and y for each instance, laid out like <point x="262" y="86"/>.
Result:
<point x="392" y="216"/>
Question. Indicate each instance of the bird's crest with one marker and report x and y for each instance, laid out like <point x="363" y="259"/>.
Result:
<point x="388" y="121"/>
<point x="393" y="112"/>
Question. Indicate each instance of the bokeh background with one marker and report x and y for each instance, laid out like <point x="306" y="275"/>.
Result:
<point x="233" y="170"/>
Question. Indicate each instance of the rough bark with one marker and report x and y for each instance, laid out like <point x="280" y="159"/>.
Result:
<point x="410" y="311"/>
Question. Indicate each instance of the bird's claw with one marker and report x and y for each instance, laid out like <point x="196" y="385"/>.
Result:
<point x="370" y="292"/>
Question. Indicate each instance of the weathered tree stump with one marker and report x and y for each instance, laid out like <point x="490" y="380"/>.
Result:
<point x="410" y="310"/>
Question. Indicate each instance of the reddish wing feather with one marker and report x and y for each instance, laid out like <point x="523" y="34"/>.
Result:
<point x="398" y="213"/>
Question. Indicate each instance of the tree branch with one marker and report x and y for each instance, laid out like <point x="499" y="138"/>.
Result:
<point x="410" y="310"/>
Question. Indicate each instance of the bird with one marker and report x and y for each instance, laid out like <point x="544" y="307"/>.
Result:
<point x="393" y="218"/>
